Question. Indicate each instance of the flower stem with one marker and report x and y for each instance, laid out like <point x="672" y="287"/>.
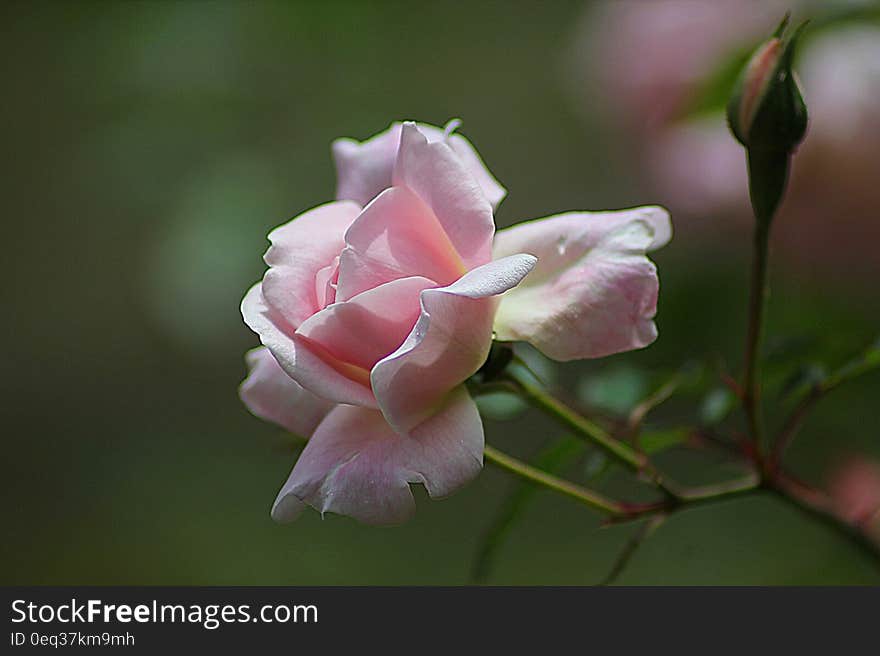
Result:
<point x="792" y="425"/>
<point x="587" y="497"/>
<point x="717" y="491"/>
<point x="629" y="549"/>
<point x="866" y="361"/>
<point x="619" y="511"/>
<point x="819" y="506"/>
<point x="688" y="497"/>
<point x="757" y="300"/>
<point x="584" y="428"/>
<point x="806" y="499"/>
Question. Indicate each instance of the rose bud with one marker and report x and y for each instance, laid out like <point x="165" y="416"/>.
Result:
<point x="768" y="116"/>
<point x="766" y="110"/>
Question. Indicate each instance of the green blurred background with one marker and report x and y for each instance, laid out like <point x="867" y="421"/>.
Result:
<point x="149" y="148"/>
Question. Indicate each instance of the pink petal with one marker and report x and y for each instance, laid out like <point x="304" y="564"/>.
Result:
<point x="436" y="174"/>
<point x="363" y="330"/>
<point x="593" y="292"/>
<point x="271" y="394"/>
<point x="301" y="363"/>
<point x="492" y="189"/>
<point x="364" y="168"/>
<point x="300" y="249"/>
<point x="396" y="236"/>
<point x="356" y="465"/>
<point x="449" y="343"/>
<point x="325" y="283"/>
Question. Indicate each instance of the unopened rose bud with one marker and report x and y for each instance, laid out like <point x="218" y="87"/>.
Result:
<point x="766" y="110"/>
<point x="768" y="116"/>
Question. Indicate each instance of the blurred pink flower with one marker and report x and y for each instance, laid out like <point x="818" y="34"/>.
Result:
<point x="649" y="57"/>
<point x="373" y="318"/>
<point x="693" y="163"/>
<point x="854" y="487"/>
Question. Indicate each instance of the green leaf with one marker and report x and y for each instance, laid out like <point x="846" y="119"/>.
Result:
<point x="691" y="377"/>
<point x="804" y="378"/>
<point x="616" y="390"/>
<point x="500" y="405"/>
<point x="710" y="97"/>
<point x="716" y="406"/>
<point x="783" y="350"/>
<point x="660" y="440"/>
<point x="869" y="359"/>
<point x="541" y="369"/>
<point x="596" y="465"/>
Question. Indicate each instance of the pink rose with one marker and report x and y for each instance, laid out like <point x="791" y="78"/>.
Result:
<point x="373" y="318"/>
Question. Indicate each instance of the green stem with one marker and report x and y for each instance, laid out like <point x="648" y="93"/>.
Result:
<point x="812" y="502"/>
<point x="629" y="549"/>
<point x="863" y="363"/>
<point x="620" y="511"/>
<point x="819" y="506"/>
<point x="581" y="426"/>
<point x="719" y="491"/>
<point x="768" y="178"/>
<point x="791" y="427"/>
<point x="693" y="496"/>
<point x="757" y="301"/>
<point x="641" y="410"/>
<point x="583" y="495"/>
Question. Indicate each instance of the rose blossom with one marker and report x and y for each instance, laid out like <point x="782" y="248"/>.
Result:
<point x="373" y="317"/>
